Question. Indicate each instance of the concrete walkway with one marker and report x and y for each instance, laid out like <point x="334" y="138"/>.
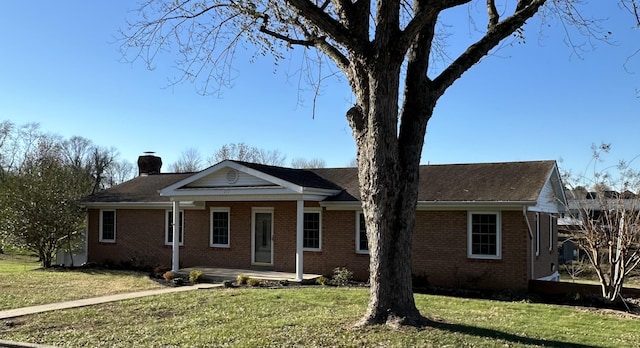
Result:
<point x="211" y="274"/>
<point x="18" y="312"/>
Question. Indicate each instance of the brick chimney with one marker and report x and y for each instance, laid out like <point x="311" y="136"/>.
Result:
<point x="149" y="164"/>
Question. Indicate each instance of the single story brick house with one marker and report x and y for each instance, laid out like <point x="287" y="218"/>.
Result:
<point x="485" y="225"/>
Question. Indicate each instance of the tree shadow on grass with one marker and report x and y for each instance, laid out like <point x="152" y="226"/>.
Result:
<point x="500" y="335"/>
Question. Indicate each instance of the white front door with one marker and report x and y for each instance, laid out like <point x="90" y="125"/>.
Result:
<point x="262" y="237"/>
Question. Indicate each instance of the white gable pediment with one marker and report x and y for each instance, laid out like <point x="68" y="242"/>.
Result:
<point x="223" y="176"/>
<point x="230" y="180"/>
<point x="552" y="198"/>
<point x="229" y="177"/>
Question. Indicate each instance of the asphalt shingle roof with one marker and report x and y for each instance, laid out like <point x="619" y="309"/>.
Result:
<point x="488" y="182"/>
<point x="301" y="177"/>
<point x="140" y="189"/>
<point x="478" y="182"/>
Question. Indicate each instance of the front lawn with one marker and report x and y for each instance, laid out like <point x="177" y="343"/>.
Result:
<point x="24" y="283"/>
<point x="317" y="317"/>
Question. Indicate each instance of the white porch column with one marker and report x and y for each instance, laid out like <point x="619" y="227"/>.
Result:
<point x="299" y="239"/>
<point x="175" y="245"/>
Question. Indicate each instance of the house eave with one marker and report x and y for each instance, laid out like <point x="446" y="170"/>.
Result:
<point x="142" y="205"/>
<point x="264" y="193"/>
<point x="440" y="205"/>
<point x="463" y="205"/>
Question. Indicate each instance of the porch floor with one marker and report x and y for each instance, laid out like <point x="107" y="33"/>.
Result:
<point x="221" y="274"/>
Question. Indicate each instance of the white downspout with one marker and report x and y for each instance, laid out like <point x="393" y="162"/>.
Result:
<point x="526" y="218"/>
<point x="175" y="245"/>
<point x="299" y="240"/>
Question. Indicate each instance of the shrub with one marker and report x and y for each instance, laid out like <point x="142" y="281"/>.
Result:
<point x="159" y="271"/>
<point x="322" y="280"/>
<point x="253" y="282"/>
<point x="341" y="276"/>
<point x="168" y="276"/>
<point x="242" y="279"/>
<point x="196" y="276"/>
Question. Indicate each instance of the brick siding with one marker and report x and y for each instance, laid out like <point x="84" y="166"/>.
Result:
<point x="439" y="244"/>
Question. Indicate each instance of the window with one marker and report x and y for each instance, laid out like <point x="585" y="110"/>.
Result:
<point x="484" y="235"/>
<point x="108" y="226"/>
<point x="168" y="230"/>
<point x="311" y="231"/>
<point x="362" y="243"/>
<point x="220" y="227"/>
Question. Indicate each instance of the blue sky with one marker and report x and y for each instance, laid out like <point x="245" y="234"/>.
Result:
<point x="60" y="66"/>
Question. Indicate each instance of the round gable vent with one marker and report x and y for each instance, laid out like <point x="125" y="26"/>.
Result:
<point x="232" y="176"/>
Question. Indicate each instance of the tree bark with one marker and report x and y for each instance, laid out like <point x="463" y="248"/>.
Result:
<point x="388" y="167"/>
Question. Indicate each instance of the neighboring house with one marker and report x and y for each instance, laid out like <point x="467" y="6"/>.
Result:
<point x="487" y="225"/>
<point x="582" y="205"/>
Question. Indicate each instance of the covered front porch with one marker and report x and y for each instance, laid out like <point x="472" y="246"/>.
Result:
<point x="228" y="186"/>
<point x="218" y="275"/>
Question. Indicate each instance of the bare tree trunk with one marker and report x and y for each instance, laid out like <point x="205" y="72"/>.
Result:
<point x="388" y="169"/>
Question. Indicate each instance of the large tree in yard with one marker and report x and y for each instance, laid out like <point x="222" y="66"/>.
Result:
<point x="39" y="210"/>
<point x="384" y="48"/>
<point x="42" y="176"/>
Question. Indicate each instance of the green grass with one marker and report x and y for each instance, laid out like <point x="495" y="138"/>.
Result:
<point x="314" y="316"/>
<point x="24" y="283"/>
<point x="317" y="317"/>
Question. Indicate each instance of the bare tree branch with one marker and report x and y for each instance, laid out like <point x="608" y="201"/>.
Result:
<point x="331" y="27"/>
<point x="482" y="47"/>
<point x="494" y="17"/>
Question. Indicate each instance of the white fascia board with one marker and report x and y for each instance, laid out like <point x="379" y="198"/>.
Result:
<point x="348" y="205"/>
<point x="541" y="209"/>
<point x="170" y="189"/>
<point x="231" y="191"/>
<point x="173" y="190"/>
<point x="552" y="198"/>
<point x="319" y="191"/>
<point x="256" y="198"/>
<point x="557" y="184"/>
<point x="266" y="177"/>
<point x="439" y="205"/>
<point x="479" y="205"/>
<point x="141" y="205"/>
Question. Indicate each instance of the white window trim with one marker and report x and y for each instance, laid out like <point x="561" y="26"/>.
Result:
<point x="358" y="250"/>
<point x="220" y="210"/>
<point x="470" y="253"/>
<point x="319" y="212"/>
<point x="167" y="227"/>
<point x="537" y="234"/>
<point x="101" y="239"/>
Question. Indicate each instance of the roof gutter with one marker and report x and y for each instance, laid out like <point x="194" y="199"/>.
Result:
<point x="439" y="205"/>
<point x="138" y="205"/>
